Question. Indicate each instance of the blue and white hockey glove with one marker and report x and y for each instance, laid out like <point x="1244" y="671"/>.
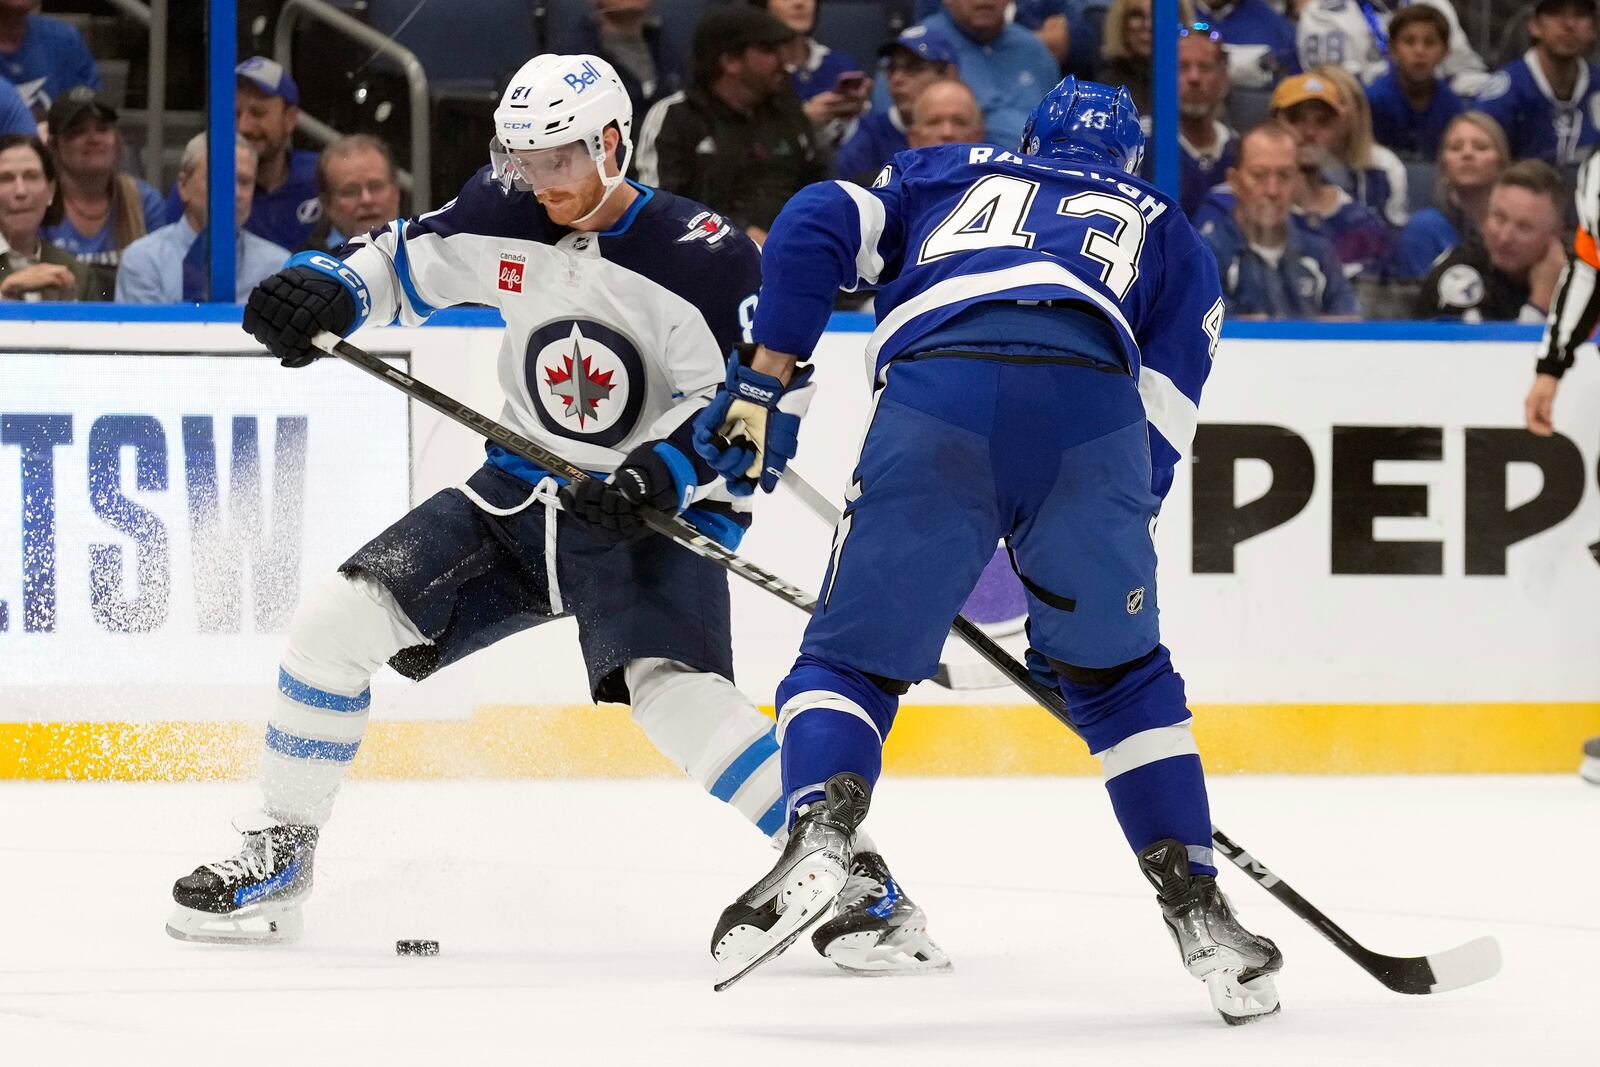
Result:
<point x="751" y="429"/>
<point x="654" y="475"/>
<point x="313" y="292"/>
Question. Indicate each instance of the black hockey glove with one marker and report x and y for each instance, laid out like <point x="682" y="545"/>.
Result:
<point x="292" y="306"/>
<point x="654" y="475"/>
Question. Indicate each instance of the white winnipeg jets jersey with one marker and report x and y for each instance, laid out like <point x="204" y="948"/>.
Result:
<point x="612" y="339"/>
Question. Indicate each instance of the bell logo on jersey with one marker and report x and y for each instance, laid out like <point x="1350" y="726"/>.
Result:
<point x="585" y="381"/>
<point x="511" y="267"/>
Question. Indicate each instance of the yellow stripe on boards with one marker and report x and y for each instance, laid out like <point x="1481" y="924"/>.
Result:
<point x="503" y="741"/>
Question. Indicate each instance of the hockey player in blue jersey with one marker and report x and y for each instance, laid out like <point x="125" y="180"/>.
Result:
<point x="1045" y="324"/>
<point x="620" y="304"/>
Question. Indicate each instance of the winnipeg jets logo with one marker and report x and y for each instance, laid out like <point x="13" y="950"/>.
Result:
<point x="707" y="226"/>
<point x="577" y="385"/>
<point x="584" y="380"/>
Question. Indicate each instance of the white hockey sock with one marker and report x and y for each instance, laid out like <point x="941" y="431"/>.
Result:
<point x="344" y="629"/>
<point x="710" y="729"/>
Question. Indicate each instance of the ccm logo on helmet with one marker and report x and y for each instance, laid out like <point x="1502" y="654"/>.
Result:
<point x="583" y="78"/>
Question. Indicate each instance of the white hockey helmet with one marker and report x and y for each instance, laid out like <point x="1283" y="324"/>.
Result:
<point x="554" y="101"/>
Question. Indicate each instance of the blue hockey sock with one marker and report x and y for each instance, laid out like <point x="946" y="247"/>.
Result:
<point x="1138" y="726"/>
<point x="830" y="719"/>
<point x="1166" y="798"/>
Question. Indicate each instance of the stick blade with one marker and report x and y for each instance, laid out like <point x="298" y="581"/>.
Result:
<point x="1477" y="961"/>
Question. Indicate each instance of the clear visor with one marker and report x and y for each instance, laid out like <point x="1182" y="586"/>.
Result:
<point x="552" y="168"/>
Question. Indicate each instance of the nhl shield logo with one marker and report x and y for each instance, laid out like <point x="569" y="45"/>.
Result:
<point x="1136" y="600"/>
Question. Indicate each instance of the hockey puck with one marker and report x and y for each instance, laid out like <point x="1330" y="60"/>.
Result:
<point x="416" y="948"/>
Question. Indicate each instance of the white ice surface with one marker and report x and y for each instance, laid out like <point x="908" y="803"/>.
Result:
<point x="575" y="917"/>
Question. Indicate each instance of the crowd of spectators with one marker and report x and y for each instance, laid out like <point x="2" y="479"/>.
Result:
<point x="1342" y="158"/>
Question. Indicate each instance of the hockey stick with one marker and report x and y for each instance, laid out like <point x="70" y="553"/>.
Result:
<point x="1465" y="965"/>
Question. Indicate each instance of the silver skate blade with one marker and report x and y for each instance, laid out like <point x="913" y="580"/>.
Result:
<point x="865" y="955"/>
<point x="782" y="935"/>
<point x="266" y="924"/>
<point x="1476" y="961"/>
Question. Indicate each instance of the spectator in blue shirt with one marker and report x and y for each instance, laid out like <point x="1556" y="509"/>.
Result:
<point x="1546" y="100"/>
<point x="1411" y="106"/>
<point x="1260" y="42"/>
<point x="912" y="62"/>
<point x="1472" y="157"/>
<point x="172" y="264"/>
<point x="1271" y="269"/>
<point x="1004" y="65"/>
<point x="43" y="57"/>
<point x="102" y="211"/>
<point x="14" y="114"/>
<point x="266" y="109"/>
<point x="1207" y="143"/>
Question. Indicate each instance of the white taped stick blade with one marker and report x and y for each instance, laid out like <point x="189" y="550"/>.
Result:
<point x="1476" y="961"/>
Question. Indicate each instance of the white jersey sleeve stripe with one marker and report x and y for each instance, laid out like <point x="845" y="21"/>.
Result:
<point x="869" y="261"/>
<point x="1173" y="415"/>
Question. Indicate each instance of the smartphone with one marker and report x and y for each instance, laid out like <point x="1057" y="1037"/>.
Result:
<point x="850" y="82"/>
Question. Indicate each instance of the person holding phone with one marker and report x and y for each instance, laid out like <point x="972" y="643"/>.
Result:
<point x="913" y="61"/>
<point x="832" y="87"/>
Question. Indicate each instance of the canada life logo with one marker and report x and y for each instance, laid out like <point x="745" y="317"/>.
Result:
<point x="511" y="266"/>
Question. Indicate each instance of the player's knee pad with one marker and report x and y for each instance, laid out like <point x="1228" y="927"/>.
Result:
<point x="818" y="684"/>
<point x="1096" y="676"/>
<point x="344" y="629"/>
<point x="1110" y="704"/>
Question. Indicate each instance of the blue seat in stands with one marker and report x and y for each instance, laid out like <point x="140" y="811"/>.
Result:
<point x="1246" y="107"/>
<point x="856" y="27"/>
<point x="465" y="48"/>
<point x="1420" y="181"/>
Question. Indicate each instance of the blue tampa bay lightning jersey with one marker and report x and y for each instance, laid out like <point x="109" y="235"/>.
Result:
<point x="947" y="228"/>
<point x="1539" y="126"/>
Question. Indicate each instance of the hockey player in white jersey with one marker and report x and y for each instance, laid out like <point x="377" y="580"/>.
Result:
<point x="620" y="304"/>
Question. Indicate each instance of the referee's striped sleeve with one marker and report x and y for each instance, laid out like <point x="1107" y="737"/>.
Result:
<point x="1576" y="307"/>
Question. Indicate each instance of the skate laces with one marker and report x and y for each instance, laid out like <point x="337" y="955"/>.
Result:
<point x="250" y="863"/>
<point x="857" y="888"/>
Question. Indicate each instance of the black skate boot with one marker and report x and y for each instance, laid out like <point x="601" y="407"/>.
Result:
<point x="796" y="893"/>
<point x="876" y="929"/>
<point x="252" y="898"/>
<point x="1589" y="769"/>
<point x="1236" y="965"/>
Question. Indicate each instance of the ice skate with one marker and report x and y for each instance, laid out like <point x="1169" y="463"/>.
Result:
<point x="876" y="929"/>
<point x="796" y="893"/>
<point x="1236" y="965"/>
<point x="252" y="898"/>
<point x="1589" y="769"/>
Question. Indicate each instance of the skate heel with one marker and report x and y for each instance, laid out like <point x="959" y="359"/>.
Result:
<point x="806" y="897"/>
<point x="1240" y="1002"/>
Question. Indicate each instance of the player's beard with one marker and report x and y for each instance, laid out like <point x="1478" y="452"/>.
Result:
<point x="567" y="203"/>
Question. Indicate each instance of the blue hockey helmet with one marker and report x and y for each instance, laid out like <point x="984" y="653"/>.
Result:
<point x="1086" y="121"/>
